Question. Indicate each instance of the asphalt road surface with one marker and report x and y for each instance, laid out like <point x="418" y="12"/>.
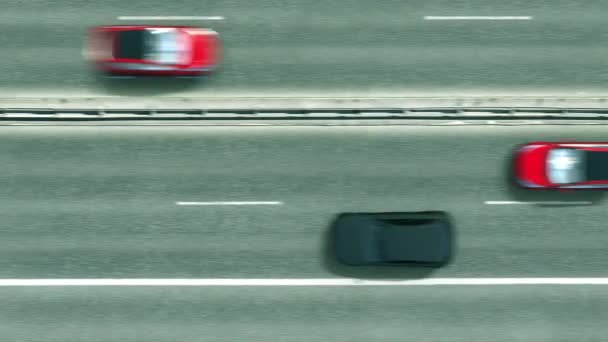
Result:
<point x="100" y="202"/>
<point x="349" y="47"/>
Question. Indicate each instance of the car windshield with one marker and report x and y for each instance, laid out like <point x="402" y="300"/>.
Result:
<point x="412" y="240"/>
<point x="164" y="46"/>
<point x="566" y="166"/>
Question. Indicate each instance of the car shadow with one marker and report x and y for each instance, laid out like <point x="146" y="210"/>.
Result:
<point x="518" y="193"/>
<point x="146" y="85"/>
<point x="334" y="266"/>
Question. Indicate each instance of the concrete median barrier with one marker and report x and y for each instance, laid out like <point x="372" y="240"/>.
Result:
<point x="469" y="108"/>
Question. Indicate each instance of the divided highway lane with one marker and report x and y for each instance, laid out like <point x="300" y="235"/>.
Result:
<point x="459" y="314"/>
<point x="319" y="48"/>
<point x="99" y="202"/>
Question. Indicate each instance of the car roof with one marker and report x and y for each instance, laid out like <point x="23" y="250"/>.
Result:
<point x="596" y="165"/>
<point x="131" y="44"/>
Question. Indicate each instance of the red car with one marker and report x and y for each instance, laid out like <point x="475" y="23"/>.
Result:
<point x="153" y="50"/>
<point x="563" y="165"/>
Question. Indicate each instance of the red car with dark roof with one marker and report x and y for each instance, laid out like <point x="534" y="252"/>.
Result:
<point x="562" y="165"/>
<point x="153" y="50"/>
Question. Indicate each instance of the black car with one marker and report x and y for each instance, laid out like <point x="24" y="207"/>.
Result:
<point x="397" y="238"/>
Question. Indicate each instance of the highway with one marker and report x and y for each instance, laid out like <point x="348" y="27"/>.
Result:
<point x="107" y="202"/>
<point x="324" y="48"/>
<point x="101" y="202"/>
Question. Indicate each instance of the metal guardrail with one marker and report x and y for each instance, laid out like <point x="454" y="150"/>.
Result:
<point x="469" y="113"/>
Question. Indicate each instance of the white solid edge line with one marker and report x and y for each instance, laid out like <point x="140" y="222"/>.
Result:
<point x="304" y="282"/>
<point x="232" y="203"/>
<point x="438" y="17"/>
<point x="540" y="202"/>
<point x="217" y="17"/>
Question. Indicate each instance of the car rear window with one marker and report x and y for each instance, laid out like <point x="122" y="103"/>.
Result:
<point x="131" y="44"/>
<point x="597" y="165"/>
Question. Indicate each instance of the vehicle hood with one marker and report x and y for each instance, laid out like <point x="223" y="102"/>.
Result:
<point x="206" y="48"/>
<point x="531" y="165"/>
